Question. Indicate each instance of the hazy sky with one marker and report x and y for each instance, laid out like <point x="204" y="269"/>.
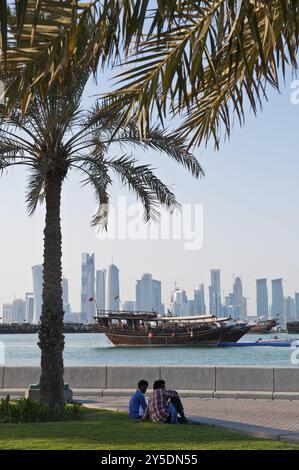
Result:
<point x="250" y="197"/>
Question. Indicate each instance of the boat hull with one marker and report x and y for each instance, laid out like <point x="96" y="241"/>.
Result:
<point x="263" y="327"/>
<point x="293" y="327"/>
<point x="185" y="339"/>
<point x="233" y="334"/>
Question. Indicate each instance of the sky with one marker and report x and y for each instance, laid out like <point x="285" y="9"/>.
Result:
<point x="250" y="197"/>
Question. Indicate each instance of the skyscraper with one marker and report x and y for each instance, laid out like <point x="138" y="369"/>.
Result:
<point x="290" y="310"/>
<point x="7" y="313"/>
<point x="215" y="293"/>
<point x="100" y="289"/>
<point x="277" y="310"/>
<point x="199" y="300"/>
<point x="112" y="296"/>
<point x="148" y="294"/>
<point x="239" y="299"/>
<point x="18" y="311"/>
<point x="37" y="276"/>
<point x="29" y="307"/>
<point x="65" y="299"/>
<point x="179" y="300"/>
<point x="88" y="309"/>
<point x="262" y="303"/>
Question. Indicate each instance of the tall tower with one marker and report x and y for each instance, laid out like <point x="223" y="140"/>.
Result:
<point x="215" y="293"/>
<point x="18" y="311"/>
<point x="278" y="301"/>
<point x="239" y="300"/>
<point x="100" y="289"/>
<point x="37" y="277"/>
<point x="65" y="298"/>
<point x="290" y="309"/>
<point x="29" y="301"/>
<point x="87" y="287"/>
<point x="112" y="288"/>
<point x="262" y="303"/>
<point x="199" y="300"/>
<point x="148" y="294"/>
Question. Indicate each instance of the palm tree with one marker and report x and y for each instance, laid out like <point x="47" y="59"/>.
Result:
<point x="53" y="137"/>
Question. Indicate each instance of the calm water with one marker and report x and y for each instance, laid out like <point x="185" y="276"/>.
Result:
<point x="95" y="349"/>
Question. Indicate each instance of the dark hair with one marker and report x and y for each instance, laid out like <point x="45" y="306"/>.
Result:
<point x="142" y="383"/>
<point x="158" y="384"/>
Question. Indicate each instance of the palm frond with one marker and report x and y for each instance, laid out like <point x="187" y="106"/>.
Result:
<point x="169" y="144"/>
<point x="206" y="46"/>
<point x="108" y="118"/>
<point x="97" y="175"/>
<point x="144" y="183"/>
<point x="36" y="185"/>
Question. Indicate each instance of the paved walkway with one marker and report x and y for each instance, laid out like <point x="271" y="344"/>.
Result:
<point x="272" y="419"/>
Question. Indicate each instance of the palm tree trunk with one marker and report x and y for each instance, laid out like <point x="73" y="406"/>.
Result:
<point x="51" y="338"/>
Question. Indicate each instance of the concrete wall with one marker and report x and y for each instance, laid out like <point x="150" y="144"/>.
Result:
<point x="286" y="382"/>
<point x="190" y="379"/>
<point x="94" y="377"/>
<point x="202" y="381"/>
<point x="20" y="377"/>
<point x="244" y="381"/>
<point x="124" y="377"/>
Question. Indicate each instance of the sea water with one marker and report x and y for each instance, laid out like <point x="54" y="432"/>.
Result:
<point x="83" y="349"/>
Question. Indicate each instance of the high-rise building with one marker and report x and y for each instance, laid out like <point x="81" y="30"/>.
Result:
<point x="277" y="310"/>
<point x="65" y="299"/>
<point x="100" y="289"/>
<point x="262" y="303"/>
<point x="297" y="305"/>
<point x="37" y="276"/>
<point x="29" y="307"/>
<point x="290" y="309"/>
<point x="238" y="291"/>
<point x="88" y="309"/>
<point x="215" y="293"/>
<point x="15" y="312"/>
<point x="148" y="294"/>
<point x="235" y="303"/>
<point x="18" y="311"/>
<point x="7" y="313"/>
<point x="112" y="296"/>
<point x="239" y="300"/>
<point x="129" y="306"/>
<point x="199" y="300"/>
<point x="179" y="302"/>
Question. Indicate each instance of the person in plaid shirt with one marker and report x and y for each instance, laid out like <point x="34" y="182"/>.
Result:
<point x="164" y="405"/>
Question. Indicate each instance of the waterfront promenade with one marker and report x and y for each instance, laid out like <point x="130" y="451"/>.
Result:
<point x="271" y="419"/>
<point x="259" y="401"/>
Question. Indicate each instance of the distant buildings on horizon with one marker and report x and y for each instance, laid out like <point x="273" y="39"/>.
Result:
<point x="100" y="289"/>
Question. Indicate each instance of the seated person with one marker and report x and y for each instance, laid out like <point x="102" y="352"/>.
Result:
<point x="164" y="405"/>
<point x="137" y="405"/>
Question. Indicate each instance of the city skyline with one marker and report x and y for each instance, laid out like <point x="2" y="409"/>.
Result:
<point x="106" y="290"/>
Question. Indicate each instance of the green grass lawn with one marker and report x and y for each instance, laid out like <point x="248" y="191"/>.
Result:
<point x="111" y="430"/>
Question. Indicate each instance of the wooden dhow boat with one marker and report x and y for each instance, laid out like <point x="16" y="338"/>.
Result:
<point x="147" y="329"/>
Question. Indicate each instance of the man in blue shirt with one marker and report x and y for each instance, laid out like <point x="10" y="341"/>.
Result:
<point x="137" y="405"/>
